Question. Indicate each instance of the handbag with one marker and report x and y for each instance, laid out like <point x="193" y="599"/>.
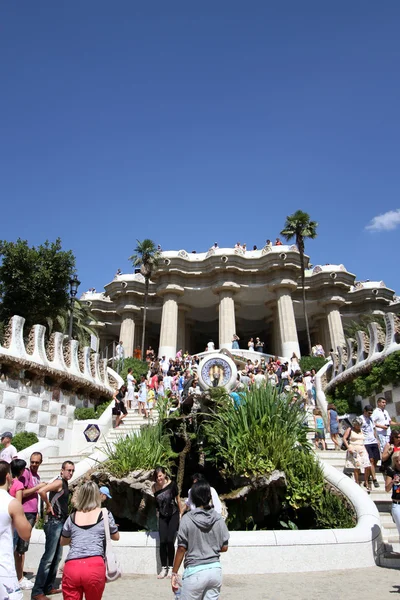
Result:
<point x="113" y="568"/>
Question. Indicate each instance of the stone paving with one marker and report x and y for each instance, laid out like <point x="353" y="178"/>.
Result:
<point x="369" y="584"/>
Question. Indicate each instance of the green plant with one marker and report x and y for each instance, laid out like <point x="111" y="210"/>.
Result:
<point x="24" y="439"/>
<point x="140" y="451"/>
<point x="333" y="511"/>
<point x="84" y="414"/>
<point x="146" y="256"/>
<point x="300" y="227"/>
<point x="305" y="481"/>
<point x="138" y="367"/>
<point x="311" y="362"/>
<point x="256" y="437"/>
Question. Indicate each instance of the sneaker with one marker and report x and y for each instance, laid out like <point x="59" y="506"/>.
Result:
<point x="25" y="584"/>
<point x="376" y="483"/>
<point x="163" y="573"/>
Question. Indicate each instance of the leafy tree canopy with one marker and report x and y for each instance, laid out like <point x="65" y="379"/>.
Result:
<point x="34" y="280"/>
<point x="146" y="256"/>
<point x="299" y="226"/>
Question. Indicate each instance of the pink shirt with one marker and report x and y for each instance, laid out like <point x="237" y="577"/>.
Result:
<point x="30" y="503"/>
<point x="16" y="486"/>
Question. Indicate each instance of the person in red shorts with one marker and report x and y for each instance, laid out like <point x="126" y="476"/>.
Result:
<point x="85" y="569"/>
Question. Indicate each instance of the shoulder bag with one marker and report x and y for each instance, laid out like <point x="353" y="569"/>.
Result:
<point x="113" y="568"/>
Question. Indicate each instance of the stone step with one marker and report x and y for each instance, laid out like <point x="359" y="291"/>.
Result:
<point x="52" y="460"/>
<point x="389" y="560"/>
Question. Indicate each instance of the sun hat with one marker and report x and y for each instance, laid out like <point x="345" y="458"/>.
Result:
<point x="104" y="490"/>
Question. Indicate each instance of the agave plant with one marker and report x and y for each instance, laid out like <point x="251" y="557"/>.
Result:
<point x="258" y="436"/>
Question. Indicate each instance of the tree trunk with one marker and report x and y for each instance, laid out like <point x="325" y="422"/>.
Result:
<point x="304" y="299"/>
<point x="182" y="458"/>
<point x="146" y="294"/>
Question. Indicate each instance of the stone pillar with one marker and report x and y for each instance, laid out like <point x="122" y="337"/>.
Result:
<point x="182" y="342"/>
<point x="127" y="332"/>
<point x="227" y="324"/>
<point x="169" y="326"/>
<point x="289" y="342"/>
<point x="335" y="326"/>
<point x="138" y="333"/>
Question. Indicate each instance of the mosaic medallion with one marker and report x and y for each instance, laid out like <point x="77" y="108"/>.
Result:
<point x="92" y="433"/>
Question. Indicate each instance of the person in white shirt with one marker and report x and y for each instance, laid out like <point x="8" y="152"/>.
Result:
<point x="131" y="381"/>
<point x="164" y="365"/>
<point x="382" y="422"/>
<point x="259" y="379"/>
<point x="9" y="452"/>
<point x="210" y="346"/>
<point x="216" y="502"/>
<point x="370" y="440"/>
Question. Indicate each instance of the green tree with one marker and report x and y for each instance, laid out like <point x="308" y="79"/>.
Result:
<point x="300" y="227"/>
<point x="83" y="322"/>
<point x="147" y="257"/>
<point x="34" y="280"/>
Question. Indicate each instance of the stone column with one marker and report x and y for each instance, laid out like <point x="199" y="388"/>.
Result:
<point x="138" y="333"/>
<point x="227" y="323"/>
<point x="169" y="326"/>
<point x="335" y="326"/>
<point x="182" y="342"/>
<point x="289" y="342"/>
<point x="127" y="331"/>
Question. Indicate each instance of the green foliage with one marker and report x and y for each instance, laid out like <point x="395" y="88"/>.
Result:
<point x="145" y="255"/>
<point x="34" y="281"/>
<point x="150" y="448"/>
<point x="381" y="374"/>
<point x="351" y="328"/>
<point x="84" y="414"/>
<point x="256" y="437"/>
<point x="82" y="323"/>
<point x="311" y="362"/>
<point x="305" y="481"/>
<point x="333" y="511"/>
<point x="138" y="367"/>
<point x="24" y="439"/>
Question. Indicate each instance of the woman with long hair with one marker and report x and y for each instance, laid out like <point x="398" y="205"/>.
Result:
<point x="202" y="536"/>
<point x="119" y="409"/>
<point x="168" y="511"/>
<point x="356" y="456"/>
<point x="84" y="532"/>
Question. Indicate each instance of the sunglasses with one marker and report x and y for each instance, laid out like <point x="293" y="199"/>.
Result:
<point x="70" y="470"/>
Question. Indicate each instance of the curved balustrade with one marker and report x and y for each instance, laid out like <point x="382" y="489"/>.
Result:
<point x="61" y="358"/>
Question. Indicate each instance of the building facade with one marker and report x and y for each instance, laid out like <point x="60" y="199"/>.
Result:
<point x="195" y="298"/>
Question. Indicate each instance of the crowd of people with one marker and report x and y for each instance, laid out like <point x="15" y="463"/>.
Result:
<point x="196" y="523"/>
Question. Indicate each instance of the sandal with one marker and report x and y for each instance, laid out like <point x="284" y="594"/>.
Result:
<point x="163" y="573"/>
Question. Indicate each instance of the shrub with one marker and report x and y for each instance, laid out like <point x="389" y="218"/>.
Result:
<point x="138" y="368"/>
<point x="145" y="450"/>
<point x="84" y="414"/>
<point x="256" y="437"/>
<point x="24" y="439"/>
<point x="311" y="362"/>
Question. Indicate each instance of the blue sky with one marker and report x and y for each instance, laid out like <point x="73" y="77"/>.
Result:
<point x="195" y="122"/>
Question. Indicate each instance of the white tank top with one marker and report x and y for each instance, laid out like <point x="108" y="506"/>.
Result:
<point x="7" y="564"/>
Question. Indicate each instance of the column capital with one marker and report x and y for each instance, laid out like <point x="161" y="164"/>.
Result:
<point x="333" y="303"/>
<point x="129" y="310"/>
<point x="285" y="286"/>
<point x="229" y="287"/>
<point x="171" y="290"/>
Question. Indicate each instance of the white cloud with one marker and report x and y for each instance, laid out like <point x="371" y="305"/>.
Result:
<point x="389" y="220"/>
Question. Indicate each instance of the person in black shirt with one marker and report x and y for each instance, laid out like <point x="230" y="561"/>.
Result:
<point x="57" y="511"/>
<point x="392" y="484"/>
<point x="168" y="509"/>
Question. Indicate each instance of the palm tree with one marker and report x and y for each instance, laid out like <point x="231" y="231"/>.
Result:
<point x="84" y="322"/>
<point x="147" y="257"/>
<point x="299" y="226"/>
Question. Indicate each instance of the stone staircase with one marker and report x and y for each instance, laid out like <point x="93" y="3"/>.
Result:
<point x="51" y="465"/>
<point x="390" y="557"/>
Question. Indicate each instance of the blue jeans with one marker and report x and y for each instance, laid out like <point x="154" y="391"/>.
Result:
<point x="203" y="585"/>
<point x="50" y="560"/>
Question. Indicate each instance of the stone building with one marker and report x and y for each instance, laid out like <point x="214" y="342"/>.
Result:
<point x="195" y="298"/>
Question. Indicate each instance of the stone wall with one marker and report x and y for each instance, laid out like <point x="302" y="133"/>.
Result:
<point x="41" y="385"/>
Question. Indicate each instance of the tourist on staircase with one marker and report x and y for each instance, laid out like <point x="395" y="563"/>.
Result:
<point x="357" y="456"/>
<point x="333" y="425"/>
<point x="119" y="409"/>
<point x="382" y="422"/>
<point x="391" y="447"/>
<point x="371" y="441"/>
<point x="131" y="381"/>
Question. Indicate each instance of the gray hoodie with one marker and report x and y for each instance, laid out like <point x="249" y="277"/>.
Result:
<point x="203" y="533"/>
